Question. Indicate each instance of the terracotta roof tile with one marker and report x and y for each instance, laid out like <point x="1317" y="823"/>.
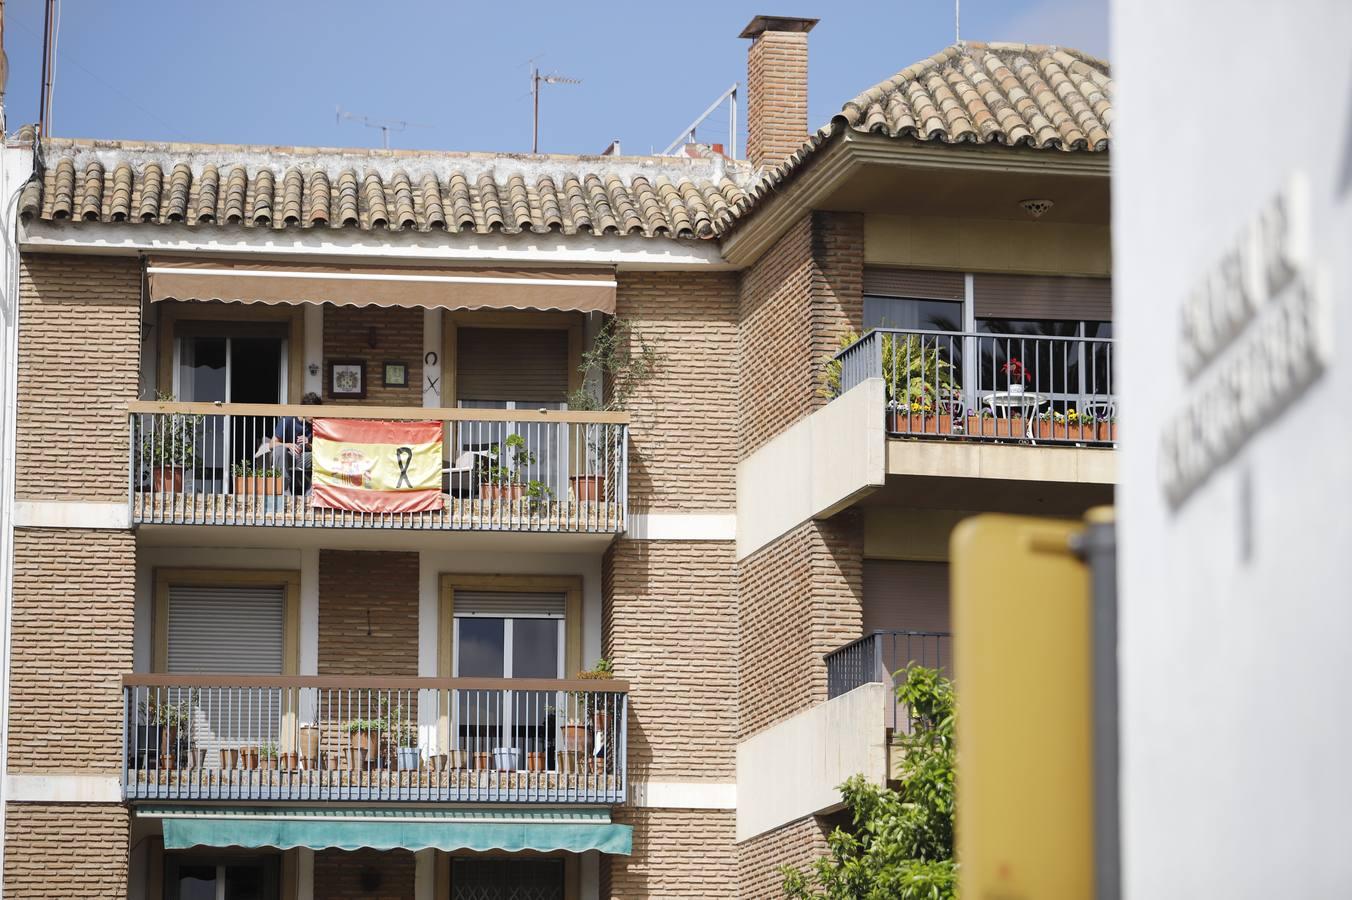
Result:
<point x="1029" y="95"/>
<point x="288" y="188"/>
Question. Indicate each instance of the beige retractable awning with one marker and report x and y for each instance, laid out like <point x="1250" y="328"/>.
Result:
<point x="572" y="290"/>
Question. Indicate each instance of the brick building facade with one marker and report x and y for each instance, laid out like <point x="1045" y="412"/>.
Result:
<point x="189" y="615"/>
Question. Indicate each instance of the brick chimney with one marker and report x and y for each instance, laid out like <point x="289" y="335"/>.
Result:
<point x="776" y="85"/>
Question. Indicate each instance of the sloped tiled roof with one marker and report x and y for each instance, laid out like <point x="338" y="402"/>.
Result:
<point x="1019" y="95"/>
<point x="223" y="186"/>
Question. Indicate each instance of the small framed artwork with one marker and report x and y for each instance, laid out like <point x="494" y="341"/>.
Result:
<point x="347" y="379"/>
<point x="396" y="374"/>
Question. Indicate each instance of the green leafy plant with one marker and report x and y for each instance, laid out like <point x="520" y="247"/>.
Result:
<point x="900" y="843"/>
<point x="914" y="370"/>
<point x="168" y="440"/>
<point x="362" y="726"/>
<point x="508" y="458"/>
<point x="249" y="469"/>
<point x="268" y="751"/>
<point x="622" y="360"/>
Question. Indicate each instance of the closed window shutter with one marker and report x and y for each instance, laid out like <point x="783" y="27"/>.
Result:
<point x="920" y="284"/>
<point x="509" y="604"/>
<point x="511" y="364"/>
<point x="226" y="629"/>
<point x="1043" y="297"/>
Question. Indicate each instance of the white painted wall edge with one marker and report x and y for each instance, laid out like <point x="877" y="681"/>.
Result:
<point x="683" y="794"/>
<point x="625" y="252"/>
<point x="70" y="514"/>
<point x="63" y="789"/>
<point x="682" y="527"/>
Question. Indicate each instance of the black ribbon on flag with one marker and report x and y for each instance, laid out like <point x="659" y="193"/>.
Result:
<point x="405" y="457"/>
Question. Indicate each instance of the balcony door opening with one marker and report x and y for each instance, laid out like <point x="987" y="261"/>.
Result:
<point x="221" y="363"/>
<point x="499" y="634"/>
<point x="507" y="879"/>
<point x="205" y="878"/>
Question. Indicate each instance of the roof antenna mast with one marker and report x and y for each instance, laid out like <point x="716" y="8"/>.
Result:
<point x="957" y="21"/>
<point x="536" y="79"/>
<point x="385" y="125"/>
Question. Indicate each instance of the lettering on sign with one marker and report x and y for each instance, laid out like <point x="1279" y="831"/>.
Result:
<point x="1254" y="333"/>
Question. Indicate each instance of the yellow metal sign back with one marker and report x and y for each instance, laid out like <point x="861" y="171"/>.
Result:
<point x="1021" y="626"/>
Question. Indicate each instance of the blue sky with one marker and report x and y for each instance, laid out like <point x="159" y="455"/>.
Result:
<point x="247" y="71"/>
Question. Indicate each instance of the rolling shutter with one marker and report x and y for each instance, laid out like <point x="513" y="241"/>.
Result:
<point x="226" y="629"/>
<point x="901" y="595"/>
<point x="920" y="284"/>
<point x="509" y="604"/>
<point x="1043" y="297"/>
<point x="511" y="364"/>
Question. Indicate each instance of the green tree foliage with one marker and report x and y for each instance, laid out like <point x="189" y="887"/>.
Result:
<point x="901" y="844"/>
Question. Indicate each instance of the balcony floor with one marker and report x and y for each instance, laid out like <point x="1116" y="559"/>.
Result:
<point x="452" y="786"/>
<point x="293" y="511"/>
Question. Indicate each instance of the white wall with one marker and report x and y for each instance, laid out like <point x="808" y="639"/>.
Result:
<point x="1234" y="613"/>
<point x="794" y="768"/>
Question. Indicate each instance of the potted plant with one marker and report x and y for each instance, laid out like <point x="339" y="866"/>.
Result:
<point x="248" y="756"/>
<point x="256" y="479"/>
<point x="363" y="737"/>
<point x="1016" y="374"/>
<point x="168" y="446"/>
<point x="620" y="361"/>
<point x="168" y="727"/>
<point x="403" y="735"/>
<point x="499" y="479"/>
<point x="268" y="756"/>
<point x="288" y="760"/>
<point x="916" y="377"/>
<point x="1052" y="425"/>
<point x="309" y="745"/>
<point x="987" y="425"/>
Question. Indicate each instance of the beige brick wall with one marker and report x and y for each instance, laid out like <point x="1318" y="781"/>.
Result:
<point x="341" y="874"/>
<point x="669" y="626"/>
<point x="59" y="852"/>
<point x="759" y="860"/>
<point x="796" y="302"/>
<point x="399" y="338"/>
<point x="72" y="643"/>
<point x="683" y="421"/>
<point x="351" y="583"/>
<point x="79" y="359"/>
<point x="776" y="82"/>
<point x="798" y="598"/>
<point x="677" y="853"/>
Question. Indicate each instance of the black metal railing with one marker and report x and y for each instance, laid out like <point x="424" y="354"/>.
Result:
<point x="979" y="386"/>
<point x="884" y="656"/>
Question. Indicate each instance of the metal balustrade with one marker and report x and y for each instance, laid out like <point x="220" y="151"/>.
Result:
<point x="884" y="656"/>
<point x="502" y="470"/>
<point x="235" y="737"/>
<point x="993" y="387"/>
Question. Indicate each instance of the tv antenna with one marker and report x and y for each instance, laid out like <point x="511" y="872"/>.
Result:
<point x="536" y="79"/>
<point x="385" y="125"/>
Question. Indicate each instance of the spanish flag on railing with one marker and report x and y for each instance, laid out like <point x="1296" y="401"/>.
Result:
<point x="363" y="465"/>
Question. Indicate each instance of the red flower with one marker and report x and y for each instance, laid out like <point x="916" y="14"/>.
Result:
<point x="1015" y="370"/>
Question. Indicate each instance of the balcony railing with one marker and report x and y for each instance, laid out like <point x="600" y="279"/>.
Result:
<point x="235" y="737"/>
<point x="884" y="656"/>
<point x="502" y="470"/>
<point x="993" y="387"/>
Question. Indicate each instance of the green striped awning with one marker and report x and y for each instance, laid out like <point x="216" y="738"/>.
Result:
<point x="389" y="829"/>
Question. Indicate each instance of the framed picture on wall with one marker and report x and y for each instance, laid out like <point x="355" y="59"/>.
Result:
<point x="347" y="379"/>
<point x="396" y="374"/>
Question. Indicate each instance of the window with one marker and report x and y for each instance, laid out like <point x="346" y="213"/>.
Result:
<point x="507" y="879"/>
<point x="912" y="314"/>
<point x="204" y="878"/>
<point x="1055" y="367"/>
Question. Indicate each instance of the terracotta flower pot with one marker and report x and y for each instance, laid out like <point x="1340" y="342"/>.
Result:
<point x="1048" y="430"/>
<point x="309" y="744"/>
<point x="988" y="426"/>
<point x="355" y="757"/>
<point x="229" y="758"/>
<point x="289" y="760"/>
<point x="575" y="738"/>
<point x="457" y="759"/>
<point x="1107" y="431"/>
<point x="483" y="760"/>
<point x="588" y="488"/>
<point x="568" y="762"/>
<point x="535" y="762"/>
<point x="919" y="423"/>
<point x="270" y="763"/>
<point x="503" y="493"/>
<point x="368" y="741"/>
<point x="258" y="485"/>
<point x="167" y="479"/>
<point x="248" y="757"/>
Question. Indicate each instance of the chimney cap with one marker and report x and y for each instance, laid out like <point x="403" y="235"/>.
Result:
<point x="762" y="24"/>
